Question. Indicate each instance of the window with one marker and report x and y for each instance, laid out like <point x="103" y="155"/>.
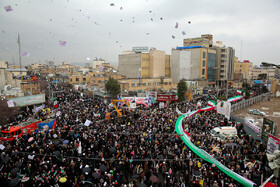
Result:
<point x="70" y="80"/>
<point x="203" y="63"/>
<point x="77" y="79"/>
<point x="158" y="83"/>
<point x="133" y="85"/>
<point x="144" y="84"/>
<point x="166" y="83"/>
<point x="223" y="50"/>
<point x="154" y="83"/>
<point x="84" y="79"/>
<point x="169" y="83"/>
<point x="99" y="82"/>
<point x="204" y="55"/>
<point x="203" y="71"/>
<point x="223" y="56"/>
<point x="222" y="61"/>
<point x="149" y="84"/>
<point x="240" y="65"/>
<point x="138" y="84"/>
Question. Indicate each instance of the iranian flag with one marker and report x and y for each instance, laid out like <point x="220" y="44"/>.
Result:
<point x="55" y="103"/>
<point x="212" y="103"/>
<point x="239" y="91"/>
<point x="236" y="98"/>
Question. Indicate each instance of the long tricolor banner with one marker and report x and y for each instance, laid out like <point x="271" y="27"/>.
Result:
<point x="185" y="136"/>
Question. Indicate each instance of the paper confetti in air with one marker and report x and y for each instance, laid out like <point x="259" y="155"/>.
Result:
<point x="62" y="43"/>
<point x="183" y="32"/>
<point x="88" y="58"/>
<point x="112" y="4"/>
<point x="177" y="24"/>
<point x="8" y="8"/>
<point x="173" y="37"/>
<point x="26" y="54"/>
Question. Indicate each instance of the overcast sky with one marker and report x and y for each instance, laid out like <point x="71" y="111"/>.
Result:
<point x="93" y="28"/>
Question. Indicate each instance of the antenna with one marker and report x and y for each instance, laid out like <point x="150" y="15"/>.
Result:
<point x="19" y="50"/>
<point x="241" y="52"/>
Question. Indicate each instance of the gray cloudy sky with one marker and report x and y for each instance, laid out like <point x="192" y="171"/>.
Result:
<point x="93" y="28"/>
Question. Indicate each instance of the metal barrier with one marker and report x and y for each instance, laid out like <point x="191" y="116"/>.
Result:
<point x="248" y="102"/>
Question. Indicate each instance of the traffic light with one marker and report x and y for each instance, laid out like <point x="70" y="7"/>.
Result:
<point x="274" y="162"/>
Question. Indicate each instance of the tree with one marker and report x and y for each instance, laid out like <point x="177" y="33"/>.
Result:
<point x="113" y="88"/>
<point x="247" y="94"/>
<point x="7" y="113"/>
<point x="181" y="89"/>
<point x="262" y="76"/>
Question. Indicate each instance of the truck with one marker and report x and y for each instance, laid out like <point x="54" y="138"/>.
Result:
<point x="224" y="133"/>
<point x="27" y="127"/>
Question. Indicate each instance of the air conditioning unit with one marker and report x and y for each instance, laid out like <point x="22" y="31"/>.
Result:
<point x="7" y="87"/>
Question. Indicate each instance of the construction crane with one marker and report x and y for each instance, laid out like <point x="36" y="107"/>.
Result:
<point x="119" y="111"/>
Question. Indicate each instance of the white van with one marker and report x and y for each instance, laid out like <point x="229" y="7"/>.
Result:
<point x="222" y="133"/>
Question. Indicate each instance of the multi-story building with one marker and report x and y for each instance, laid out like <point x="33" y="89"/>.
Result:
<point x="97" y="62"/>
<point x="153" y="64"/>
<point x="224" y="62"/>
<point x="191" y="63"/>
<point x="269" y="71"/>
<point x="245" y="68"/>
<point x="146" y="84"/>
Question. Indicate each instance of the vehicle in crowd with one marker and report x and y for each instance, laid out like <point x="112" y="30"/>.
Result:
<point x="227" y="133"/>
<point x="27" y="127"/>
<point x="254" y="125"/>
<point x="256" y="112"/>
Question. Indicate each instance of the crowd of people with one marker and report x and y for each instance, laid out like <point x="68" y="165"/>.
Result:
<point x="139" y="148"/>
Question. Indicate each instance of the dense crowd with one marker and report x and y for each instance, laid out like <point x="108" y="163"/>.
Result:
<point x="140" y="147"/>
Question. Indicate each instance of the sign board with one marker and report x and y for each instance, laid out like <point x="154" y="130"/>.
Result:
<point x="29" y="100"/>
<point x="195" y="42"/>
<point x="144" y="49"/>
<point x="164" y="97"/>
<point x="268" y="128"/>
<point x="132" y="105"/>
<point x="161" y="105"/>
<point x="224" y="108"/>
<point x="272" y="144"/>
<point x="29" y="78"/>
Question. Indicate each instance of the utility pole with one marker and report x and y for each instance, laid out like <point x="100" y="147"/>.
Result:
<point x="19" y="51"/>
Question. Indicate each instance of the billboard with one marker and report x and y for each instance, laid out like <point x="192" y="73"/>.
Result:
<point x="224" y="107"/>
<point x="272" y="144"/>
<point x="165" y="97"/>
<point x="29" y="78"/>
<point x="28" y="100"/>
<point x="195" y="41"/>
<point x="268" y="128"/>
<point x="144" y="49"/>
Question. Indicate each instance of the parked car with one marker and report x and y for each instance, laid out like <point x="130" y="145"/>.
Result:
<point x="256" y="112"/>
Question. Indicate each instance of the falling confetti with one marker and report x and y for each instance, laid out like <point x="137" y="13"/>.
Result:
<point x="161" y="18"/>
<point x="152" y="19"/>
<point x="112" y="4"/>
<point x="26" y="54"/>
<point x="62" y="43"/>
<point x="121" y="8"/>
<point x="50" y="19"/>
<point x="189" y="22"/>
<point x="147" y="33"/>
<point x="8" y="8"/>
<point x="173" y="37"/>
<point x="177" y="24"/>
<point x="88" y="58"/>
<point x="117" y="42"/>
<point x="183" y="32"/>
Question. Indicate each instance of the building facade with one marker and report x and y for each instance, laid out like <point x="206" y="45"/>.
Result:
<point x="269" y="71"/>
<point x="153" y="64"/>
<point x="245" y="68"/>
